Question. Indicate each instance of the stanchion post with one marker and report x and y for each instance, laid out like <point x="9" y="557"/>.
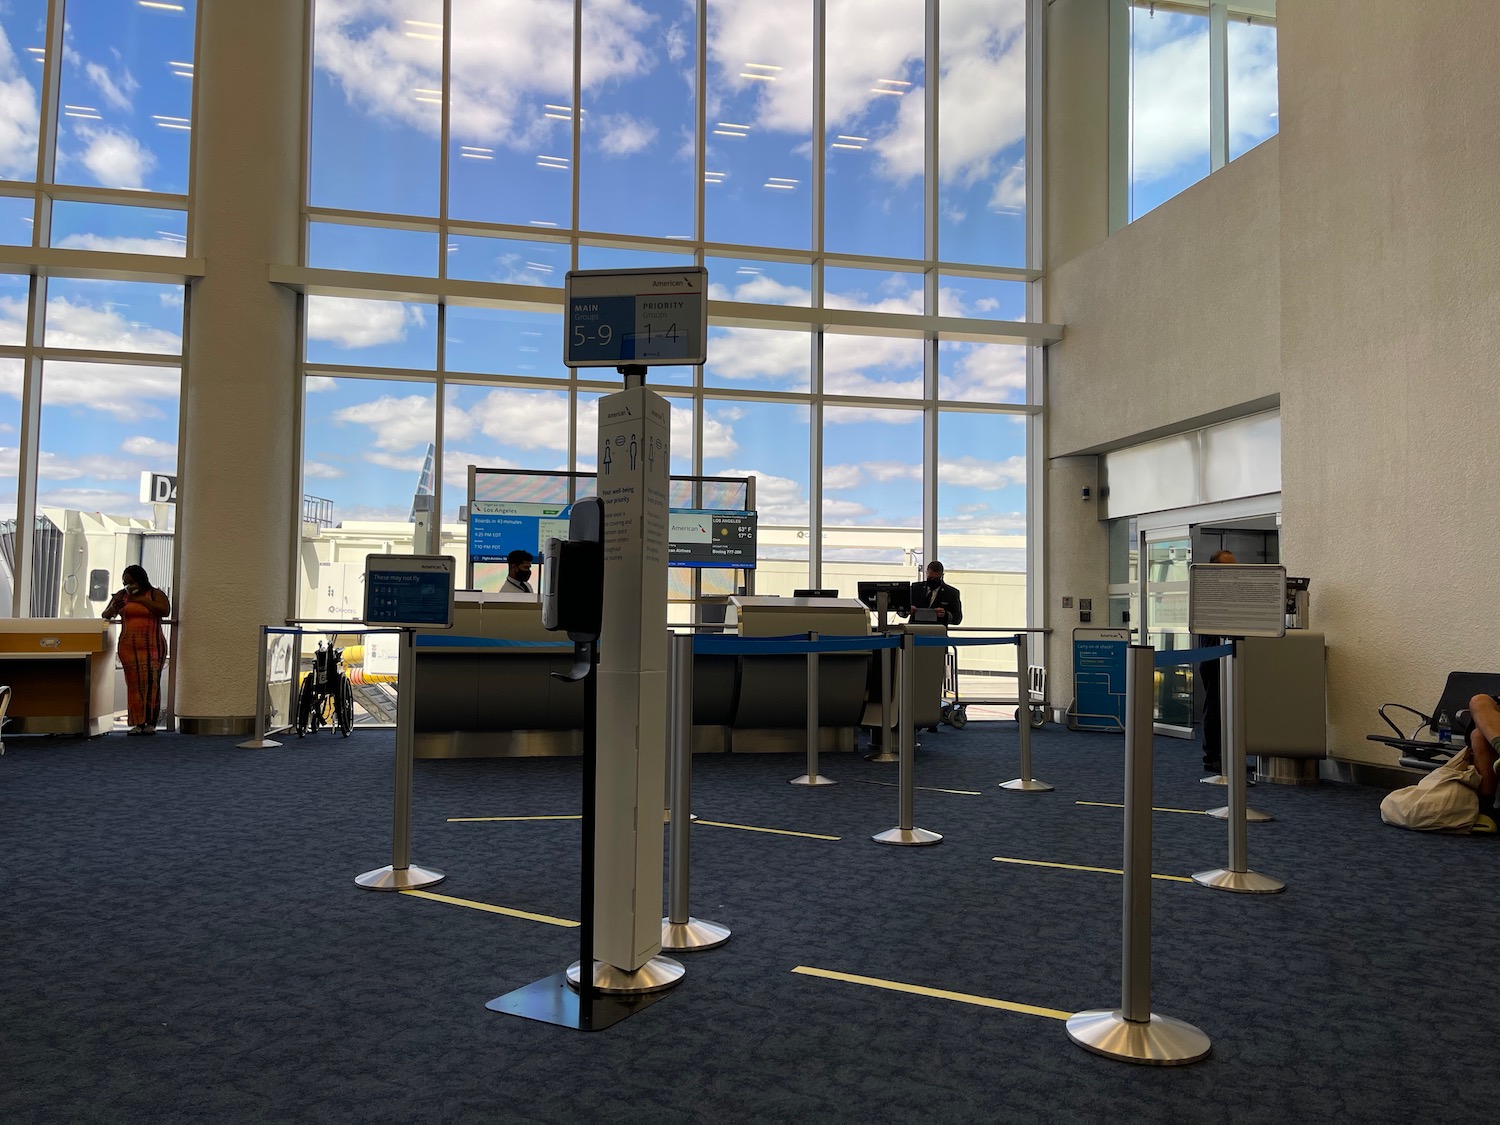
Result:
<point x="1132" y="1033"/>
<point x="401" y="875"/>
<point x="260" y="741"/>
<point x="887" y="704"/>
<point x="1237" y="876"/>
<point x="814" y="724"/>
<point x="680" y="932"/>
<point x="1025" y="783"/>
<point x="1232" y="751"/>
<point x="905" y="831"/>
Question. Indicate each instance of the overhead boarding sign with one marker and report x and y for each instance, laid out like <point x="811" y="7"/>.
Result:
<point x="652" y="317"/>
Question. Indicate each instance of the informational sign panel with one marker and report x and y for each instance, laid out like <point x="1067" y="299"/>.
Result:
<point x="708" y="538"/>
<point x="634" y="452"/>
<point x="655" y="317"/>
<point x="1099" y="678"/>
<point x="409" y="591"/>
<point x="1237" y="599"/>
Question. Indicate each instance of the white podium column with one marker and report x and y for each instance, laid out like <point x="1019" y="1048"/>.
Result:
<point x="634" y="453"/>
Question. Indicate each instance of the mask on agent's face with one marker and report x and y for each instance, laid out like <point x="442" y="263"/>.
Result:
<point x="934" y="583"/>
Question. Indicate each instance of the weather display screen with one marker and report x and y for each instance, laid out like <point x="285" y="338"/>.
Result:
<point x="708" y="538"/>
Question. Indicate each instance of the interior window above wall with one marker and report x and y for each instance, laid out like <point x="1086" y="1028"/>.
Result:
<point x="757" y="181"/>
<point x="120" y="316"/>
<point x="1253" y="95"/>
<point x="11" y="372"/>
<point x="1169" y="107"/>
<point x="342" y="246"/>
<point x="15" y="220"/>
<point x="118" y="229"/>
<point x="883" y="366"/>
<point x="127" y="95"/>
<point x="23" y="50"/>
<point x="872" y="494"/>
<point x="377" y="106"/>
<point x="502" y="428"/>
<point x="504" y="342"/>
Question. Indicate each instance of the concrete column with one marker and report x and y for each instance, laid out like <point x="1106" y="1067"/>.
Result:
<point x="240" y="393"/>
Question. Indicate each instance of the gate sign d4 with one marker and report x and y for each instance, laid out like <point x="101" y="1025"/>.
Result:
<point x="158" y="488"/>
<point x="652" y="317"/>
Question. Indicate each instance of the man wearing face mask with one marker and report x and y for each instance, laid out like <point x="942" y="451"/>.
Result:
<point x="939" y="597"/>
<point x="518" y="581"/>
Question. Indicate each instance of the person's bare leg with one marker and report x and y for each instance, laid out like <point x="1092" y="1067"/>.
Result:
<point x="1486" y="715"/>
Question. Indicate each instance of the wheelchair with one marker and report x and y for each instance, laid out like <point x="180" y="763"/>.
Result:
<point x="326" y="698"/>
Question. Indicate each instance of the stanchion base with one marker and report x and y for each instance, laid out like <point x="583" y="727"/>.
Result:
<point x="1242" y="882"/>
<point x="556" y="1001"/>
<point x="1026" y="785"/>
<point x="695" y="933"/>
<point x="1163" y="1041"/>
<point x="1220" y="779"/>
<point x="257" y="744"/>
<point x="910" y="837"/>
<point x="656" y="975"/>
<point x="387" y="878"/>
<point x="818" y="780"/>
<point x="1252" y="816"/>
<point x="883" y="756"/>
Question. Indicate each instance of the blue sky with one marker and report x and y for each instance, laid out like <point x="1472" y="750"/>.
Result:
<point x="127" y="76"/>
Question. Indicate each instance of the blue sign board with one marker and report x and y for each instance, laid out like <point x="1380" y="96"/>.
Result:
<point x="496" y="528"/>
<point x="1099" y="678"/>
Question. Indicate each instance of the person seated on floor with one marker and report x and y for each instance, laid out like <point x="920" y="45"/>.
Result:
<point x="1484" y="737"/>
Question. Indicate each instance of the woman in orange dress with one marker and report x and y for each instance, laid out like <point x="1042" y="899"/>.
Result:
<point x="142" y="648"/>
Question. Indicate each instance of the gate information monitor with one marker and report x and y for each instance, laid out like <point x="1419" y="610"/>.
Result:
<point x="656" y="317"/>
<point x="409" y="591"/>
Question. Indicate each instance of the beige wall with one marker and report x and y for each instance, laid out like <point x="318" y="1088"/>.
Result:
<point x="1390" y="277"/>
<point x="1350" y="268"/>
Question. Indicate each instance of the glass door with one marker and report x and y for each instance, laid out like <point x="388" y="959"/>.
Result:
<point x="1166" y="552"/>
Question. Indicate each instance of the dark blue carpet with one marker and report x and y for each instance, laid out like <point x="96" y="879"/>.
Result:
<point x="182" y="941"/>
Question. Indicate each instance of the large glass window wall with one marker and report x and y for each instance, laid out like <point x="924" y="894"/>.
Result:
<point x="788" y="147"/>
<point x="91" y="370"/>
<point x="1175" y="90"/>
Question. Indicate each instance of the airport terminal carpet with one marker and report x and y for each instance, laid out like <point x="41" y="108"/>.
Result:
<point x="182" y="941"/>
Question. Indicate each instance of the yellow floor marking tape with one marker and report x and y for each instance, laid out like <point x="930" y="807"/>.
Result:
<point x="507" y="911"/>
<point x="477" y="819"/>
<point x="774" y="831"/>
<point x="939" y="993"/>
<point x="1113" y="805"/>
<point x="1076" y="867"/>
<point x="926" y="788"/>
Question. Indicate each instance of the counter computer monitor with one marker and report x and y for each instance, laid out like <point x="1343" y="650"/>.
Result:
<point x="897" y="594"/>
<point x="815" y="593"/>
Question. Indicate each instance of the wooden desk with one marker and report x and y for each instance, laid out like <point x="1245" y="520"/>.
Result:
<point x="61" y="674"/>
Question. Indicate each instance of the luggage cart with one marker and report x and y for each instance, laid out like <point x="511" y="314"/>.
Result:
<point x="954" y="709"/>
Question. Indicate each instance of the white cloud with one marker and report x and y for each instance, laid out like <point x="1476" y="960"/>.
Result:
<point x="983" y="372"/>
<point x="318" y="470"/>
<point x="349" y="322"/>
<point x="114" y="157"/>
<point x="18" y="116"/>
<point x="509" y="59"/>
<point x="126" y="392"/>
<point x="127" y="245"/>
<point x="90" y="500"/>
<point x="405" y="463"/>
<point x="398" y="423"/>
<point x="456" y="464"/>
<point x="1253" y="92"/>
<point x="839" y="477"/>
<point x="93" y="328"/>
<point x="163" y="452"/>
<point x="621" y="134"/>
<point x="777" y="499"/>
<point x="1169" y="84"/>
<point x="761" y="290"/>
<point x="319" y="384"/>
<point x="718" y="436"/>
<point x="972" y="472"/>
<point x="92" y="466"/>
<point x="517" y="418"/>
<point x="116" y="94"/>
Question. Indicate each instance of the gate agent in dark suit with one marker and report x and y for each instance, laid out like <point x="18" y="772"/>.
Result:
<point x="938" y="596"/>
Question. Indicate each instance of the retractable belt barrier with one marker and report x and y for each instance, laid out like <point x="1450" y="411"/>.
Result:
<point x="811" y="644"/>
<point x="1191" y="655"/>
